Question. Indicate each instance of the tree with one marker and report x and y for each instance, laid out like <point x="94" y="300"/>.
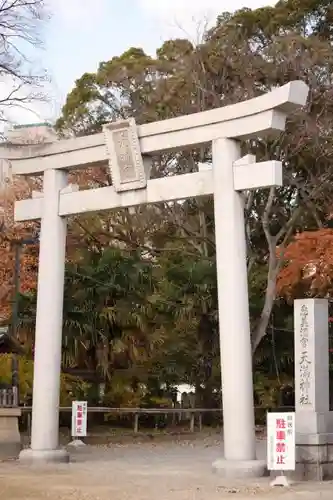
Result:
<point x="266" y="48"/>
<point x="308" y="268"/>
<point x="12" y="233"/>
<point x="185" y="299"/>
<point x="243" y="56"/>
<point x="20" y="22"/>
<point x="108" y="318"/>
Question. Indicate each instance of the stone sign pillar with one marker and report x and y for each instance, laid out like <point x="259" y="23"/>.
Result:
<point x="311" y="364"/>
<point x="312" y="388"/>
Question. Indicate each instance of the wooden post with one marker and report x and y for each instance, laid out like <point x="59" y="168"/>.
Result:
<point x="29" y="423"/>
<point x="15" y="401"/>
<point x="3" y="397"/>
<point x="136" y="423"/>
<point x="200" y="421"/>
<point x="192" y="422"/>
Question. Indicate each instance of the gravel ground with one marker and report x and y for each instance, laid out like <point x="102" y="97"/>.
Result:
<point x="177" y="470"/>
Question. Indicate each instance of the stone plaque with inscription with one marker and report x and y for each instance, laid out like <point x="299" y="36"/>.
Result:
<point x="125" y="160"/>
<point x="311" y="355"/>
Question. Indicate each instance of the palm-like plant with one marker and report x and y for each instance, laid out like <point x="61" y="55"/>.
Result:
<point x="106" y="310"/>
<point x="108" y="319"/>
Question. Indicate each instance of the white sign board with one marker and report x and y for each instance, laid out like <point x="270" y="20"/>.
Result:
<point x="281" y="441"/>
<point x="79" y="418"/>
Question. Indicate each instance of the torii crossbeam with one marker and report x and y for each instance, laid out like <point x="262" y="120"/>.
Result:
<point x="127" y="149"/>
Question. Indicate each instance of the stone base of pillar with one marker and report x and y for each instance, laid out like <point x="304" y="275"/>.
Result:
<point x="309" y="472"/>
<point x="41" y="457"/>
<point x="314" y="458"/>
<point x="313" y="472"/>
<point x="238" y="469"/>
<point x="10" y="439"/>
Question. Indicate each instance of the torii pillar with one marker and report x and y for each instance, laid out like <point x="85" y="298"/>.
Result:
<point x="126" y="148"/>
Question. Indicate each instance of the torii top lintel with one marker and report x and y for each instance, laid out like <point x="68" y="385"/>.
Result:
<point x="256" y="117"/>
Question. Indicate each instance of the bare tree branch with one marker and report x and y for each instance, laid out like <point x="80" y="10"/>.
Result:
<point x="20" y="22"/>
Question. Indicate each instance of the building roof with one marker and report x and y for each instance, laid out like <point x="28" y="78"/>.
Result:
<point x="9" y="345"/>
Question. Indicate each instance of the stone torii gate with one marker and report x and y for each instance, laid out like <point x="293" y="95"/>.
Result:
<point x="127" y="148"/>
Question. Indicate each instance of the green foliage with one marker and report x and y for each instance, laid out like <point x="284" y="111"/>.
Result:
<point x="141" y="299"/>
<point x="121" y="393"/>
<point x="25" y="374"/>
<point x="70" y="387"/>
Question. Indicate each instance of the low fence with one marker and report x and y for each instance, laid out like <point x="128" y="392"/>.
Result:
<point x="193" y="415"/>
<point x="9" y="397"/>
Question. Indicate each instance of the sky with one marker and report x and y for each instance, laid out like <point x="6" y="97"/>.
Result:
<point x="82" y="33"/>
